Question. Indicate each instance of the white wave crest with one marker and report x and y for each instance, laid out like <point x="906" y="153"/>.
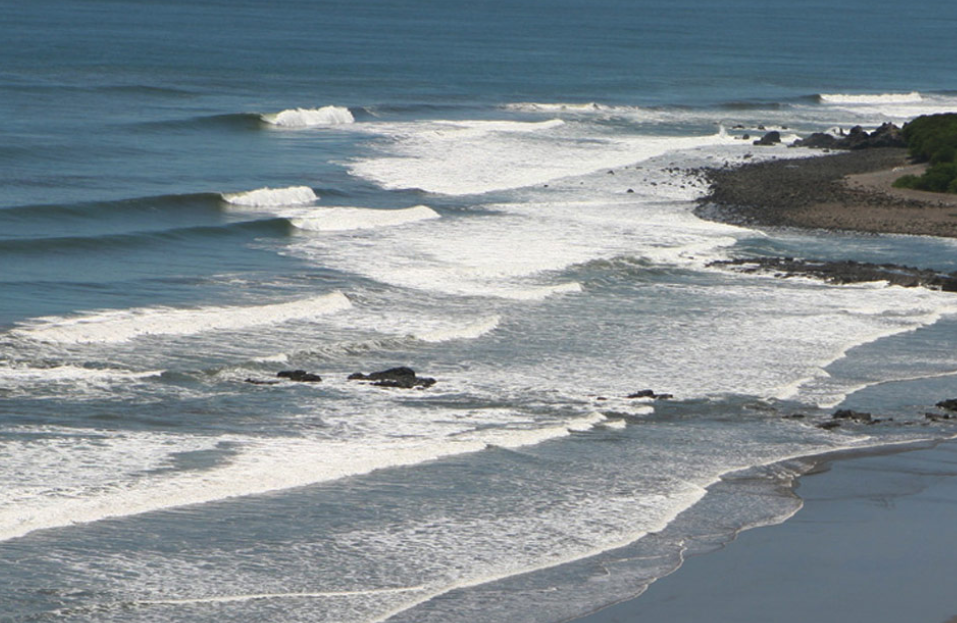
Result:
<point x="272" y="197"/>
<point x="470" y="331"/>
<point x="865" y="99"/>
<point x="126" y="324"/>
<point x="346" y="219"/>
<point x="310" y="117"/>
<point x="555" y="107"/>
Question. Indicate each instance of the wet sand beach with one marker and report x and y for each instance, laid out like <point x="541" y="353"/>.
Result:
<point x="874" y="542"/>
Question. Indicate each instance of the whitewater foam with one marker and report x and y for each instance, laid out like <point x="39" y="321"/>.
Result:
<point x="114" y="326"/>
<point x="556" y="107"/>
<point x="259" y="466"/>
<point x="348" y="218"/>
<point x="458" y="158"/>
<point x="310" y="117"/>
<point x="272" y="197"/>
<point x="470" y="331"/>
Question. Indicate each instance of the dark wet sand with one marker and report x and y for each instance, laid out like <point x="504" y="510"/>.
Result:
<point x="841" y="191"/>
<point x="875" y="542"/>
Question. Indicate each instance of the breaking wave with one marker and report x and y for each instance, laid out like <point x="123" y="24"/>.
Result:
<point x="310" y="117"/>
<point x="271" y="197"/>
<point x="864" y="99"/>
<point x="122" y="325"/>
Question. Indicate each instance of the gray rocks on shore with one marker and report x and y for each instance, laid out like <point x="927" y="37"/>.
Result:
<point x="888" y="135"/>
<point x="767" y="192"/>
<point x="844" y="272"/>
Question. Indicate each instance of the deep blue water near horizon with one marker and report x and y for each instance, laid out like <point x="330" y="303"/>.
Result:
<point x="200" y="194"/>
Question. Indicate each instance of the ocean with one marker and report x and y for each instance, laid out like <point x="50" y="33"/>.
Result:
<point x="498" y="194"/>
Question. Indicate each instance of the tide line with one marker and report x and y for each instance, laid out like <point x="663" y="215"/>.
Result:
<point x="258" y="596"/>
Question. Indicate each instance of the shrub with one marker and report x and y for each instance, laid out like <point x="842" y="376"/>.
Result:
<point x="932" y="139"/>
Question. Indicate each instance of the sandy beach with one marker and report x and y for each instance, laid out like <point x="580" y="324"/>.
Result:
<point x="843" y="191"/>
<point x="873" y="542"/>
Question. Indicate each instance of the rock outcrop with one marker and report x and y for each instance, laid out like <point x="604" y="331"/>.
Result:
<point x="401" y="377"/>
<point x="300" y="376"/>
<point x="888" y="135"/>
<point x="844" y="272"/>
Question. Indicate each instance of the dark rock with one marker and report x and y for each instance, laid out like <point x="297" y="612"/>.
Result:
<point x="937" y="417"/>
<point x="818" y="140"/>
<point x="300" y="376"/>
<point x="771" y="138"/>
<point x="950" y="405"/>
<point x="845" y="272"/>
<point x="888" y="135"/>
<point x="857" y="416"/>
<point x="261" y="382"/>
<point x="648" y="393"/>
<point x="829" y="425"/>
<point x="401" y="377"/>
<point x="795" y="416"/>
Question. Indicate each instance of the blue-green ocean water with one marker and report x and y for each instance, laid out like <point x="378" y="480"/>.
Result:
<point x="197" y="194"/>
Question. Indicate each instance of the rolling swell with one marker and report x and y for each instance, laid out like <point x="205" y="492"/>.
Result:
<point x="113" y="242"/>
<point x="238" y="122"/>
<point x="96" y="209"/>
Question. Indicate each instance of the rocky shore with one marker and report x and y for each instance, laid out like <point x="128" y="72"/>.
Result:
<point x="844" y="272"/>
<point x="844" y="191"/>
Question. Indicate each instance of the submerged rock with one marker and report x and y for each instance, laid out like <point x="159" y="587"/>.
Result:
<point x="856" y="416"/>
<point x="950" y="405"/>
<point x="649" y="393"/>
<point x="300" y="376"/>
<point x="401" y="377"/>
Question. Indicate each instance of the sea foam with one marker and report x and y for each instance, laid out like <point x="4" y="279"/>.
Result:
<point x="476" y="157"/>
<point x="261" y="465"/>
<point x="126" y="324"/>
<point x="347" y="218"/>
<point x="310" y="117"/>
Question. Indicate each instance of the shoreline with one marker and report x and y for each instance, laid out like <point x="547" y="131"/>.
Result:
<point x="872" y="521"/>
<point x="847" y="191"/>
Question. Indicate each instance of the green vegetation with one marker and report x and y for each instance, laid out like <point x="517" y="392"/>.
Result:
<point x="932" y="139"/>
